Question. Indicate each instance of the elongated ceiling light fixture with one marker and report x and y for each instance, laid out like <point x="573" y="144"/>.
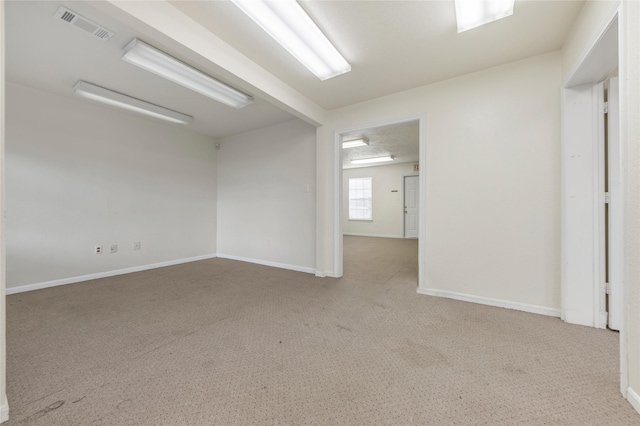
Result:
<point x="288" y="23"/>
<point x="355" y="142"/>
<point x="109" y="97"/>
<point x="474" y="13"/>
<point x="153" y="60"/>
<point x="373" y="160"/>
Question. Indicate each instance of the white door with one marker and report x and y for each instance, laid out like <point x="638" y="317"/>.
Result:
<point x="582" y="213"/>
<point x="616" y="232"/>
<point x="411" y="206"/>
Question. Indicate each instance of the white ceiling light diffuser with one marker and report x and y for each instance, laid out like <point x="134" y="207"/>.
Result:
<point x="288" y="23"/>
<point x="355" y="142"/>
<point x="373" y="160"/>
<point x="109" y="97"/>
<point x="474" y="13"/>
<point x="153" y="60"/>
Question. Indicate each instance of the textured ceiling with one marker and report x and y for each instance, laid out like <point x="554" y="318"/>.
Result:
<point x="392" y="45"/>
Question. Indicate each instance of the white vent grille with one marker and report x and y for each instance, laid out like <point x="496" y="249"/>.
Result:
<point x="72" y="18"/>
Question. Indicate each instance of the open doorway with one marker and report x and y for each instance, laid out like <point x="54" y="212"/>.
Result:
<point x="592" y="193"/>
<point x="380" y="201"/>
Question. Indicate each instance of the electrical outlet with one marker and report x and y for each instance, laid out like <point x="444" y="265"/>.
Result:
<point x="113" y="248"/>
<point x="97" y="250"/>
<point x="136" y="245"/>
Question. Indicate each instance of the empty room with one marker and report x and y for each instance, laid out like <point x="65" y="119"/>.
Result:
<point x="311" y="212"/>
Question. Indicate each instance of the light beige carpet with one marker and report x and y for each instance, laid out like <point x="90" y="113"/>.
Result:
<point x="221" y="342"/>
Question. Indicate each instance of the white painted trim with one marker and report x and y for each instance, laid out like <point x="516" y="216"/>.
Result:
<point x="563" y="206"/>
<point x="613" y="14"/>
<point x="422" y="199"/>
<point x="534" y="309"/>
<point x="269" y="263"/>
<point x="355" y="234"/>
<point x="633" y="399"/>
<point x="81" y="278"/>
<point x="338" y="226"/>
<point x="599" y="294"/>
<point x="616" y="208"/>
<point x="324" y="274"/>
<point x="4" y="411"/>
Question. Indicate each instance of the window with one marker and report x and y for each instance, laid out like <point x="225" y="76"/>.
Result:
<point x="360" y="204"/>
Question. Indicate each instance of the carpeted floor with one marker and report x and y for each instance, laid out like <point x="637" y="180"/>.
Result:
<point x="222" y="342"/>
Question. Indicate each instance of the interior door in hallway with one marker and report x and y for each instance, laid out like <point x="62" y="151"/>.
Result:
<point x="411" y="206"/>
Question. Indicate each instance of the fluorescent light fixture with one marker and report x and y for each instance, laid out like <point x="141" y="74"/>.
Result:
<point x="355" y="142"/>
<point x="153" y="60"/>
<point x="474" y="13"/>
<point x="288" y="23"/>
<point x="109" y="97"/>
<point x="373" y="160"/>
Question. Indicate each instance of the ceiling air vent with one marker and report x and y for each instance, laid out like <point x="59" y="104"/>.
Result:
<point x="72" y="18"/>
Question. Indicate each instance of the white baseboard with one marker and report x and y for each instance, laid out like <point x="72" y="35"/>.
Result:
<point x="4" y="411"/>
<point x="353" y="234"/>
<point x="268" y="263"/>
<point x="634" y="399"/>
<point x="325" y="274"/>
<point x="64" y="281"/>
<point x="534" y="309"/>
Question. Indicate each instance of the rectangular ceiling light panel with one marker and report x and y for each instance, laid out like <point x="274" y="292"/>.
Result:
<point x="109" y="97"/>
<point x="153" y="60"/>
<point x="474" y="13"/>
<point x="288" y="23"/>
<point x="355" y="142"/>
<point x="373" y="160"/>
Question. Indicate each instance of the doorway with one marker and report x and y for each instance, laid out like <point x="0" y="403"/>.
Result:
<point x="592" y="193"/>
<point x="373" y="195"/>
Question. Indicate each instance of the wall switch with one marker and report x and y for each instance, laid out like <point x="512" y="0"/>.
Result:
<point x="113" y="248"/>
<point x="97" y="250"/>
<point x="136" y="245"/>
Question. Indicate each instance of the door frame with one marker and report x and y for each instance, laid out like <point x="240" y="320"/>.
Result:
<point x="337" y="191"/>
<point x="404" y="203"/>
<point x="590" y="70"/>
<point x="616" y="215"/>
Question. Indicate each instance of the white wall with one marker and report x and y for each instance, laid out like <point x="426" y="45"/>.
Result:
<point x="4" y="406"/>
<point x="80" y="175"/>
<point x="388" y="216"/>
<point x="630" y="117"/>
<point x="266" y="196"/>
<point x="492" y="180"/>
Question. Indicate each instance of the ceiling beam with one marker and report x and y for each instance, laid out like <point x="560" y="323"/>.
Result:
<point x="162" y="23"/>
